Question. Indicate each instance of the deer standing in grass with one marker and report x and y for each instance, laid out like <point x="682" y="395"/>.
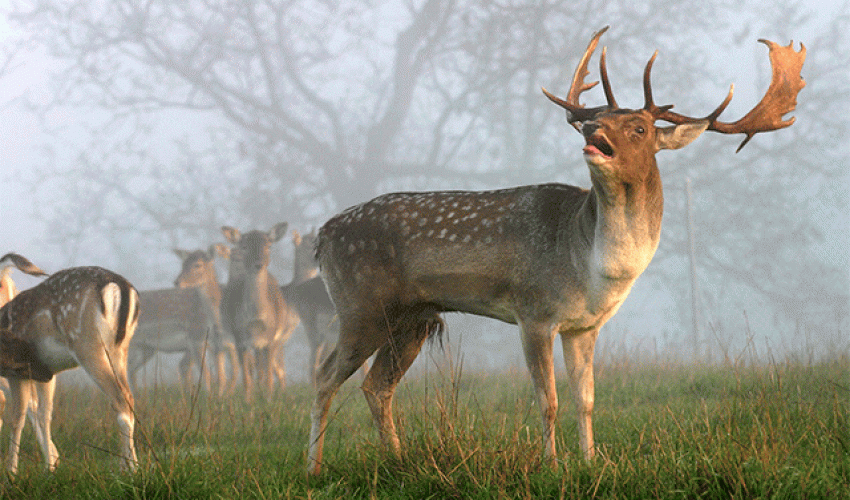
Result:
<point x="198" y="272"/>
<point x="82" y="316"/>
<point x="254" y="308"/>
<point x="184" y="320"/>
<point x="8" y="291"/>
<point x="553" y="259"/>
<point x="307" y="295"/>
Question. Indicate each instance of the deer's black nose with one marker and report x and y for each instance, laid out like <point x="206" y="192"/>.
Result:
<point x="588" y="128"/>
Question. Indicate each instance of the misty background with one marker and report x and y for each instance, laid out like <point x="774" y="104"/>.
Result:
<point x="129" y="128"/>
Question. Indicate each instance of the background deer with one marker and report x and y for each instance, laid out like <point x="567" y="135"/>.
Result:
<point x="198" y="272"/>
<point x="181" y="320"/>
<point x="253" y="305"/>
<point x="82" y="316"/>
<point x="307" y="295"/>
<point x="314" y="307"/>
<point x="553" y="259"/>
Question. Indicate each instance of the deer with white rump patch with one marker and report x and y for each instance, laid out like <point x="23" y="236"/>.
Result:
<point x="553" y="259"/>
<point x="82" y="316"/>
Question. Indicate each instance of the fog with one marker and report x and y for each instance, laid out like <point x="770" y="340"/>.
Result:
<point x="126" y="132"/>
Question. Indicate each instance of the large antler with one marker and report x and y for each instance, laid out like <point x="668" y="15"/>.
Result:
<point x="576" y="112"/>
<point x="780" y="98"/>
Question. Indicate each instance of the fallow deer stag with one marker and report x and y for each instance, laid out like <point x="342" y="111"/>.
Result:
<point x="180" y="320"/>
<point x="253" y="305"/>
<point x="553" y="259"/>
<point x="82" y="316"/>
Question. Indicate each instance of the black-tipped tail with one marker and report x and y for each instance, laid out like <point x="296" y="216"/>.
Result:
<point x="22" y="263"/>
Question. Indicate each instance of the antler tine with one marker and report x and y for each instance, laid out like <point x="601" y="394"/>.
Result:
<point x="577" y="86"/>
<point x="576" y="112"/>
<point x="780" y="98"/>
<point x="606" y="85"/>
<point x="649" y="103"/>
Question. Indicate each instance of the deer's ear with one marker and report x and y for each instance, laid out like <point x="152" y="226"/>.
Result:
<point x="277" y="232"/>
<point x="678" y="136"/>
<point x="181" y="254"/>
<point x="231" y="234"/>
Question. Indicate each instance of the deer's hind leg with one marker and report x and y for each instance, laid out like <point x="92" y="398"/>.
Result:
<point x="390" y="364"/>
<point x="358" y="340"/>
<point x="112" y="380"/>
<point x="107" y="366"/>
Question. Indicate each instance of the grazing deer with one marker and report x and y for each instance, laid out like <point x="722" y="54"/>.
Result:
<point x="553" y="259"/>
<point x="8" y="291"/>
<point x="253" y="306"/>
<point x="82" y="316"/>
<point x="180" y="320"/>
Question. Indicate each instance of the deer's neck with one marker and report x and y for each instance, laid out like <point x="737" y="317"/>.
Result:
<point x="624" y="219"/>
<point x="258" y="289"/>
<point x="302" y="272"/>
<point x="212" y="290"/>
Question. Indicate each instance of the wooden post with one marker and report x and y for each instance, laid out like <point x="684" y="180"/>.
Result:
<point x="695" y="313"/>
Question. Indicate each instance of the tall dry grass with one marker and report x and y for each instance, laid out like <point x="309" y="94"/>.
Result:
<point x="740" y="429"/>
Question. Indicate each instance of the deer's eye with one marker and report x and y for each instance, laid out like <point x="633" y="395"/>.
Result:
<point x="640" y="130"/>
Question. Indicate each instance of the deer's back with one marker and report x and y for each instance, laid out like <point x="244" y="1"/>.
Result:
<point x="479" y="252"/>
<point x="178" y="306"/>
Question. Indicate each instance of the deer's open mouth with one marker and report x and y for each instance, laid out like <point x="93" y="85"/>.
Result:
<point x="598" y="145"/>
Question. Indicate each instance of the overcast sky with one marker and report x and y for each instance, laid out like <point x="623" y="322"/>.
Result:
<point x="21" y="134"/>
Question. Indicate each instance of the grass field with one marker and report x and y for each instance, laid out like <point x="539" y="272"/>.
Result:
<point x="779" y="430"/>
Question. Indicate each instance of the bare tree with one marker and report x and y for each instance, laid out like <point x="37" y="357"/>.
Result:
<point x="199" y="114"/>
<point x="771" y="224"/>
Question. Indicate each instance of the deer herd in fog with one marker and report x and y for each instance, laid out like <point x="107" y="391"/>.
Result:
<point x="554" y="259"/>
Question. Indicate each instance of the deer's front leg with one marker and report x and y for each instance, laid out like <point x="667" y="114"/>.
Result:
<point x="537" y="339"/>
<point x="247" y="361"/>
<point x="43" y="394"/>
<point x="19" y="392"/>
<point x="578" y="357"/>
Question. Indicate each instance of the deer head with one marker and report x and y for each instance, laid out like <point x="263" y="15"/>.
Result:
<point x="198" y="267"/>
<point x="767" y="115"/>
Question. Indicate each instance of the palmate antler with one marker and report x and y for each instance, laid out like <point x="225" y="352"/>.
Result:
<point x="780" y="98"/>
